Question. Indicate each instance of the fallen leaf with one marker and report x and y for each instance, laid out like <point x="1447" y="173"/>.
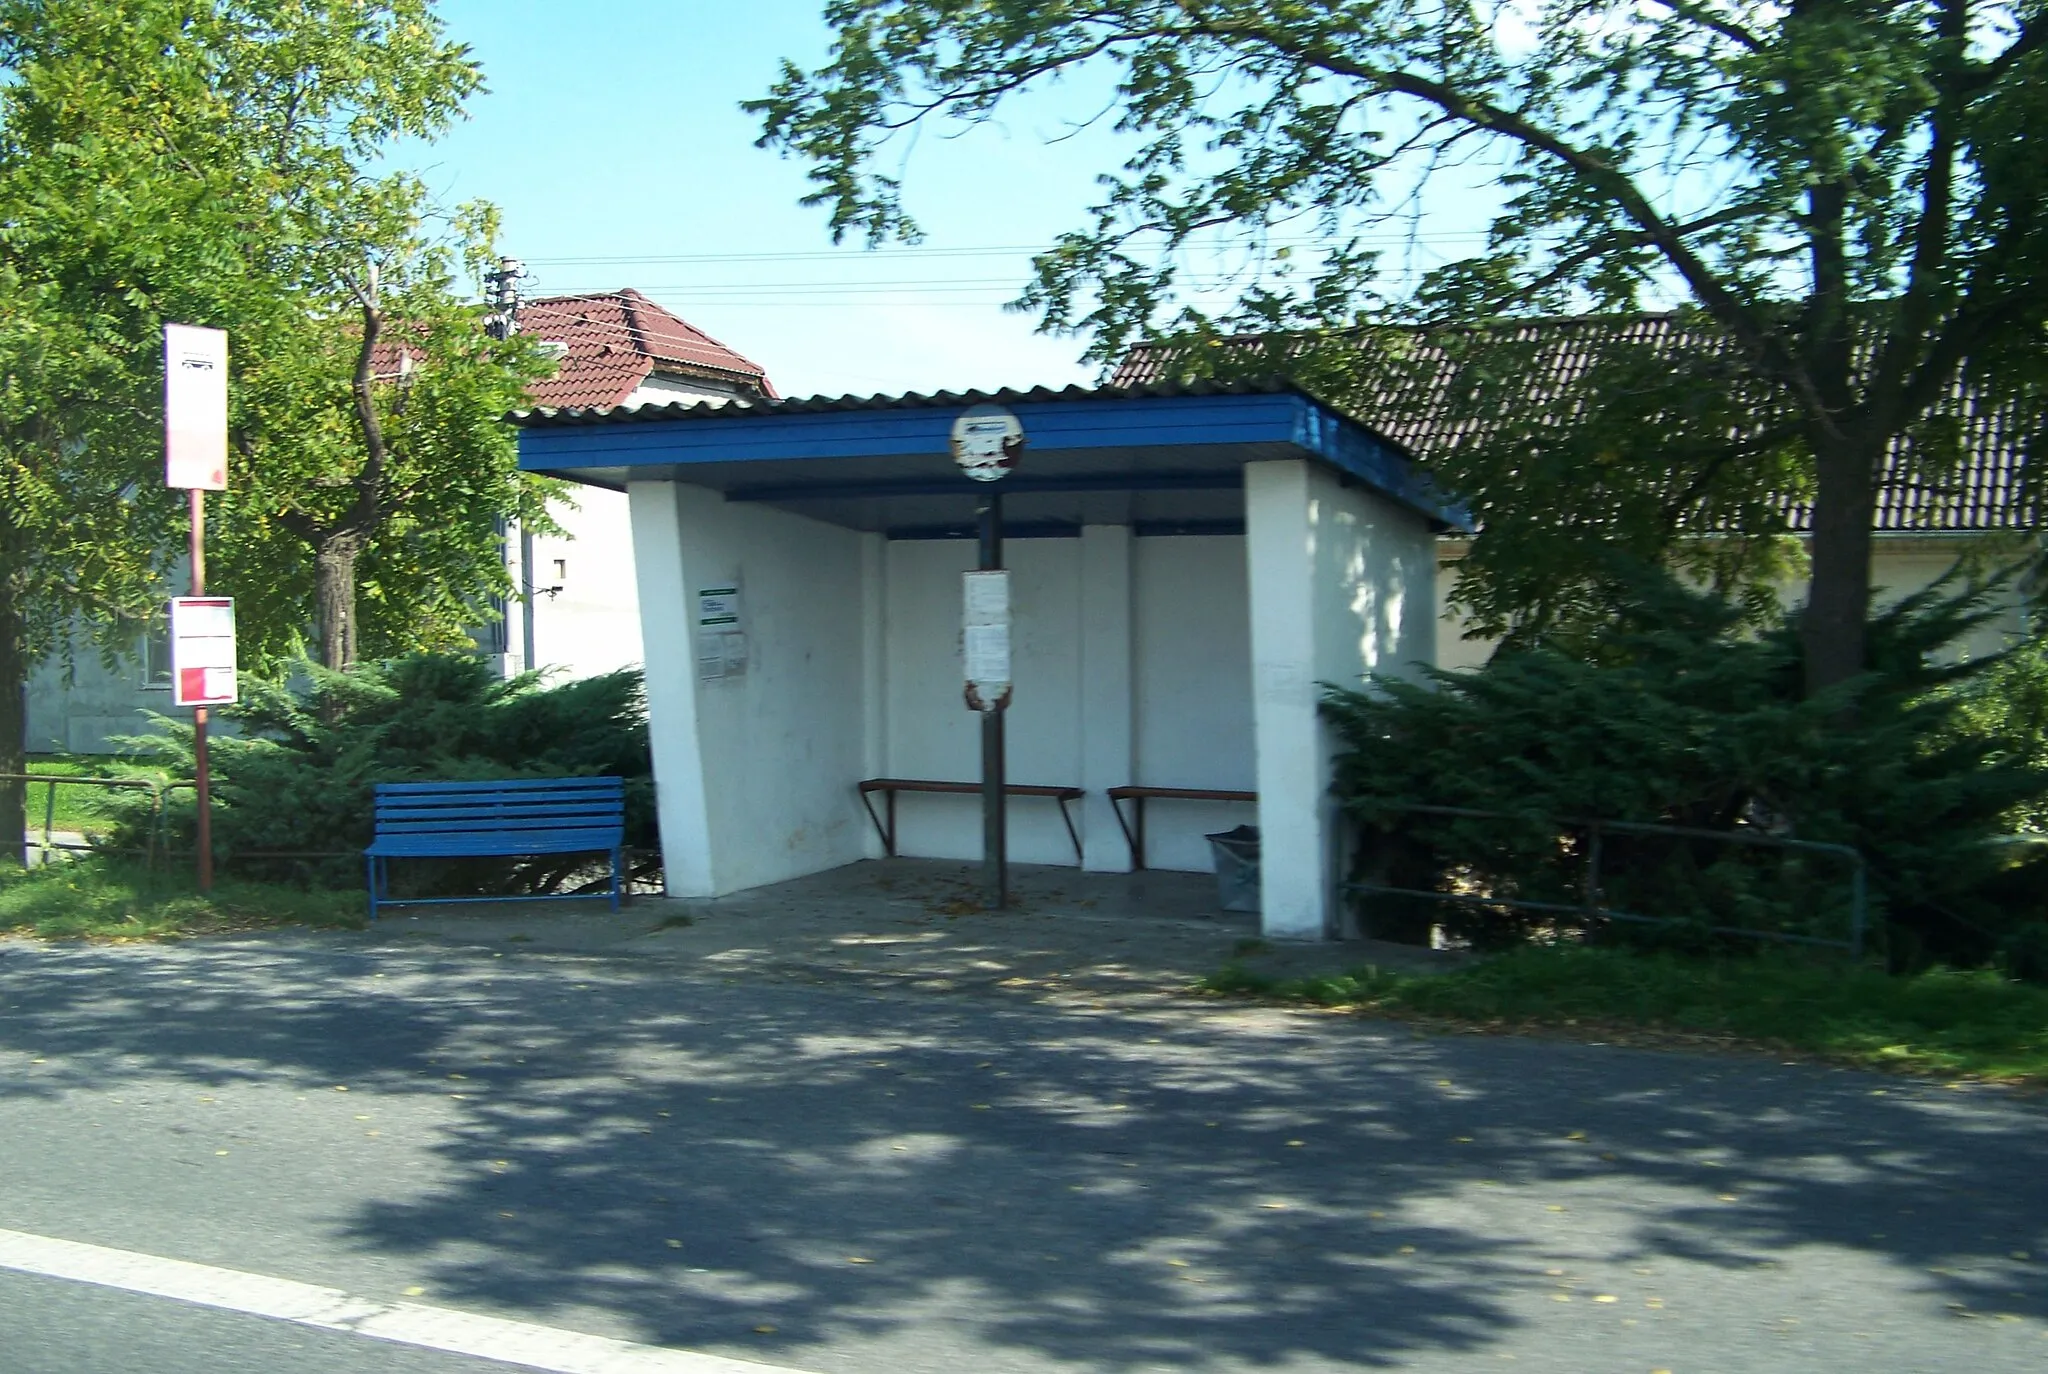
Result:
<point x="1576" y="1135"/>
<point x="414" y="1291"/>
<point x="674" y="1244"/>
<point x="1553" y="1207"/>
<point x="1296" y="1142"/>
<point x="858" y="1259"/>
<point x="764" y="1330"/>
<point x="1606" y="1297"/>
<point x="1178" y="1263"/>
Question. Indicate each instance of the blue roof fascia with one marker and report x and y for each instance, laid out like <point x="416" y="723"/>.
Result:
<point x="869" y="433"/>
<point x="1286" y="417"/>
<point x="1356" y="451"/>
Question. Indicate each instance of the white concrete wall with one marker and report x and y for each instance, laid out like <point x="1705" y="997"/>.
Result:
<point x="930" y="731"/>
<point x="1133" y="665"/>
<point x="756" y="774"/>
<point x="1192" y="643"/>
<point x="1342" y="585"/>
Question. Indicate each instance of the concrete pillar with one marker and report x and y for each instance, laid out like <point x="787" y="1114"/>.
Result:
<point x="1108" y="752"/>
<point x="1293" y="832"/>
<point x="668" y="638"/>
<point x="874" y="665"/>
<point x="1343" y="586"/>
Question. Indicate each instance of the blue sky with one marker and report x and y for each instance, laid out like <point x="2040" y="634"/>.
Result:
<point x="612" y="140"/>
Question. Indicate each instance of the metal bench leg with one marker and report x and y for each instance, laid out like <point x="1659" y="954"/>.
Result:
<point x="887" y="833"/>
<point x="1072" y="833"/>
<point x="1125" y="826"/>
<point x="616" y="880"/>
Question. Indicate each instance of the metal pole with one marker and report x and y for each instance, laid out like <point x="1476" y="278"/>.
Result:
<point x="201" y="773"/>
<point x="526" y="655"/>
<point x="995" y="865"/>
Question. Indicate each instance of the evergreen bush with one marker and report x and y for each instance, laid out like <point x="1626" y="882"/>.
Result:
<point x="1679" y="713"/>
<point x="298" y="779"/>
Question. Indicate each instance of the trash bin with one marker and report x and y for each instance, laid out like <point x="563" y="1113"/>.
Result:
<point x="1237" y="868"/>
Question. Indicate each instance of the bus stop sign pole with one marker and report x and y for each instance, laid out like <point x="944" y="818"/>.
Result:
<point x="995" y="839"/>
<point x="196" y="459"/>
<point x="987" y="442"/>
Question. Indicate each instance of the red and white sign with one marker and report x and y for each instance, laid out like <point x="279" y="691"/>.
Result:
<point x="195" y="407"/>
<point x="202" y="650"/>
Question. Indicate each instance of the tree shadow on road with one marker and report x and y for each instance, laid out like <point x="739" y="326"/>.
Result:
<point x="1117" y="1190"/>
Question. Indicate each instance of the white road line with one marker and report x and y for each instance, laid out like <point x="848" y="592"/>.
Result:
<point x="405" y="1323"/>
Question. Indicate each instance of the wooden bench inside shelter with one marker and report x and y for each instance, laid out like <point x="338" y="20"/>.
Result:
<point x="889" y="787"/>
<point x="1134" y="828"/>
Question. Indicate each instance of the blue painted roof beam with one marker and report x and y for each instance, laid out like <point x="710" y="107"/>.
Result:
<point x="865" y="454"/>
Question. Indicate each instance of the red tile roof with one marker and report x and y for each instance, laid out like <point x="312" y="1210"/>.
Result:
<point x="617" y="339"/>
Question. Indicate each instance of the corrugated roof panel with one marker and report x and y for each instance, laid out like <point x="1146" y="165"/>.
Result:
<point x="1985" y="494"/>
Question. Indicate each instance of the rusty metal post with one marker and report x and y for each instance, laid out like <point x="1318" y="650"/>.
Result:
<point x="995" y="855"/>
<point x="201" y="772"/>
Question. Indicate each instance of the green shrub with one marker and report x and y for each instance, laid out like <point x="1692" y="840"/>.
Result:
<point x="1679" y="714"/>
<point x="299" y="778"/>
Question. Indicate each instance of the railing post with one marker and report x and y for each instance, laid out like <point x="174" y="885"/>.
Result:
<point x="1858" y="894"/>
<point x="49" y="819"/>
<point x="1593" y="870"/>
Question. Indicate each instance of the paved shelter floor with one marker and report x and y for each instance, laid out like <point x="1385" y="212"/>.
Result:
<point x="923" y="922"/>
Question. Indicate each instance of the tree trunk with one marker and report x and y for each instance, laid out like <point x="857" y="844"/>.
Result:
<point x="1838" y="599"/>
<point x="13" y="717"/>
<point x="334" y="598"/>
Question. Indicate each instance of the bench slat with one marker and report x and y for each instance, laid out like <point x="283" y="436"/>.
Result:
<point x="605" y="784"/>
<point x="1014" y="789"/>
<point x="391" y="815"/>
<point x="489" y="846"/>
<point x="526" y="801"/>
<point x="1182" y="794"/>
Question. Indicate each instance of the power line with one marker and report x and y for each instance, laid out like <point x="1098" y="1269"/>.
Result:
<point x="991" y="250"/>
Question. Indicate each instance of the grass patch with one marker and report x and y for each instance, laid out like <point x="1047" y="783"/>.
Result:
<point x="105" y="899"/>
<point x="1947" y="1024"/>
<point x="79" y="808"/>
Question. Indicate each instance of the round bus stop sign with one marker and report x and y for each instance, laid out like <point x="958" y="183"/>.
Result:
<point x="987" y="441"/>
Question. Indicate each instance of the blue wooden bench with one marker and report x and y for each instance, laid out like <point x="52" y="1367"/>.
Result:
<point x="451" y="820"/>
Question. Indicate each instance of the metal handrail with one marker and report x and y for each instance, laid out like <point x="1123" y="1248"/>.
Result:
<point x="1592" y="908"/>
<point x="53" y="781"/>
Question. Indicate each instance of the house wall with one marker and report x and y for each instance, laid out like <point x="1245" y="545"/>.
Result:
<point x="591" y="624"/>
<point x="1900" y="564"/>
<point x="81" y="706"/>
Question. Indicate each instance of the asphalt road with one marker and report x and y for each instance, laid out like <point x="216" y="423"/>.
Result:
<point x="854" y="1180"/>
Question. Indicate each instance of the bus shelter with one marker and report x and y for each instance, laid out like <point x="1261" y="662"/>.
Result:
<point x="1190" y="564"/>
